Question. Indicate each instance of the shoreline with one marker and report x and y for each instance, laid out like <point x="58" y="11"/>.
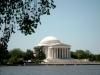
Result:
<point x="32" y="64"/>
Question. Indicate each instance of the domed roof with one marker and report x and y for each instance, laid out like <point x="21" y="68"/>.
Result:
<point x="49" y="40"/>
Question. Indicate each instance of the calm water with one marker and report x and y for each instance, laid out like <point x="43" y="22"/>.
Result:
<point x="51" y="70"/>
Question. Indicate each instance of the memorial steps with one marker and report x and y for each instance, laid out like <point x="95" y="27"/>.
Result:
<point x="69" y="61"/>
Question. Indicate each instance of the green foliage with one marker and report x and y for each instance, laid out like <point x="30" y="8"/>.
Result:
<point x="92" y="57"/>
<point x="3" y="54"/>
<point x="23" y="15"/>
<point x="97" y="57"/>
<point x="40" y="56"/>
<point x="28" y="55"/>
<point x="73" y="55"/>
<point x="81" y="54"/>
<point x="16" y="55"/>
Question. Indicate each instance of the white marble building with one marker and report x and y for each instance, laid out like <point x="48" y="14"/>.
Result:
<point x="58" y="53"/>
<point x="54" y="49"/>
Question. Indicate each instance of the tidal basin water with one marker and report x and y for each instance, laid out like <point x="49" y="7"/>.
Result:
<point x="51" y="70"/>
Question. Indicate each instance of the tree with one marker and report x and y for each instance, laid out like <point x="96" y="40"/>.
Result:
<point x="87" y="54"/>
<point x="97" y="57"/>
<point x="73" y="55"/>
<point x="91" y="57"/>
<point x="40" y="56"/>
<point x="81" y="54"/>
<point x="23" y="15"/>
<point x="3" y="54"/>
<point x="16" y="56"/>
<point x="28" y="55"/>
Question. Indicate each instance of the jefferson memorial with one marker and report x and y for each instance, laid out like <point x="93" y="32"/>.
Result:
<point x="57" y="52"/>
<point x="54" y="49"/>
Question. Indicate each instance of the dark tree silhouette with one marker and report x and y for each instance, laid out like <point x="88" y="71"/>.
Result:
<point x="3" y="54"/>
<point x="23" y="15"/>
<point x="28" y="55"/>
<point x="40" y="55"/>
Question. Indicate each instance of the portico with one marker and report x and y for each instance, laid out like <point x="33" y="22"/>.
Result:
<point x="58" y="53"/>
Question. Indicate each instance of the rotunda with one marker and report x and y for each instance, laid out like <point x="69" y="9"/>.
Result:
<point x="54" y="48"/>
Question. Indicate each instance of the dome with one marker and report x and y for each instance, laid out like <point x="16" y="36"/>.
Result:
<point x="49" y="40"/>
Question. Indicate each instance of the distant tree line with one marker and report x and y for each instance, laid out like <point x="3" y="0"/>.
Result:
<point x="17" y="56"/>
<point x="85" y="54"/>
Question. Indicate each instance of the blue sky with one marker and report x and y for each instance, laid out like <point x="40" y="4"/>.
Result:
<point x="75" y="22"/>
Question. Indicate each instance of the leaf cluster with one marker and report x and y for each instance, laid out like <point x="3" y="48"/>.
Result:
<point x="23" y="15"/>
<point x="40" y="55"/>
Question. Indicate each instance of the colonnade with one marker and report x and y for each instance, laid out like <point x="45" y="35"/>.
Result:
<point x="62" y="53"/>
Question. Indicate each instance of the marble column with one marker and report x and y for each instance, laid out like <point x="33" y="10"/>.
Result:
<point x="54" y="53"/>
<point x="49" y="52"/>
<point x="57" y="52"/>
<point x="67" y="53"/>
<point x="62" y="52"/>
